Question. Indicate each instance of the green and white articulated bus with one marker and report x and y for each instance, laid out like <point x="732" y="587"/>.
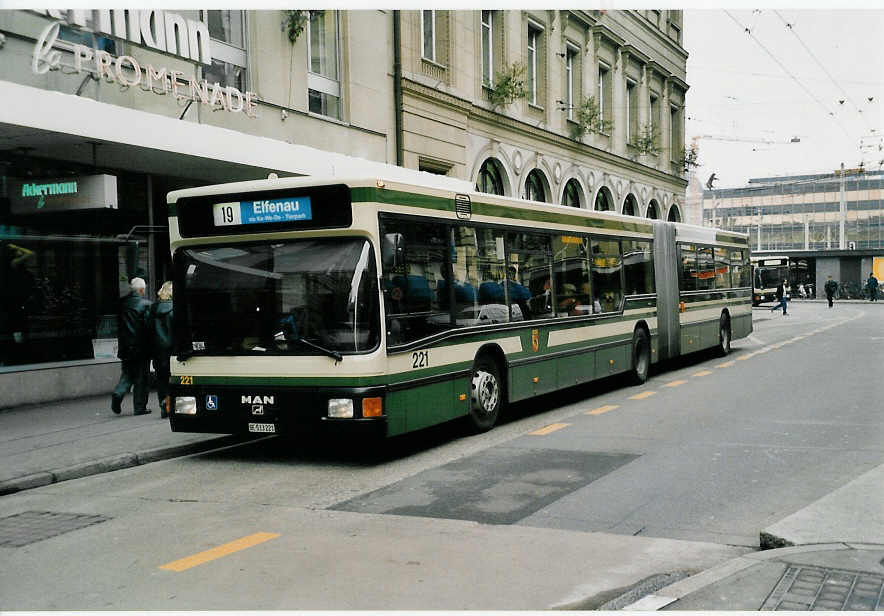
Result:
<point x="387" y="307"/>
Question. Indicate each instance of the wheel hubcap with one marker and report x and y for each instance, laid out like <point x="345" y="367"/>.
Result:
<point x="486" y="391"/>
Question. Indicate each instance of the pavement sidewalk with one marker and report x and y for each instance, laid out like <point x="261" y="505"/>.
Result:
<point x="47" y="443"/>
<point x="836" y="563"/>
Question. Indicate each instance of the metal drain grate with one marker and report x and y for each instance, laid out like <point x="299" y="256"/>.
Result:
<point x="815" y="588"/>
<point x="32" y="526"/>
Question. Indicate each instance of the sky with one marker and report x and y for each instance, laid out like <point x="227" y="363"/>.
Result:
<point x="778" y="82"/>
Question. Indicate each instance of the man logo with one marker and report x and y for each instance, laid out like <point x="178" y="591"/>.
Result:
<point x="257" y="409"/>
<point x="256" y="400"/>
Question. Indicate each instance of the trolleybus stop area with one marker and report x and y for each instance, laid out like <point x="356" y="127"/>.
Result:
<point x="834" y="564"/>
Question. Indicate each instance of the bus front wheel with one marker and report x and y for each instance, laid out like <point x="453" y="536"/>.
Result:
<point x="724" y="336"/>
<point x="486" y="394"/>
<point x="641" y="356"/>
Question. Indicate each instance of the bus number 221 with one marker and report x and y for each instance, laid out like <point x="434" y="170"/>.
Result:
<point x="420" y="359"/>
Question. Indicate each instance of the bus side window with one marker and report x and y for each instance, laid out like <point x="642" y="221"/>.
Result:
<point x="722" y="269"/>
<point x="705" y="268"/>
<point x="529" y="266"/>
<point x="415" y="284"/>
<point x="571" y="275"/>
<point x="606" y="282"/>
<point x="688" y="278"/>
<point x="638" y="262"/>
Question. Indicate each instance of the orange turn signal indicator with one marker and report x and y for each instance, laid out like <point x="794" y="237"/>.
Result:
<point x="372" y="407"/>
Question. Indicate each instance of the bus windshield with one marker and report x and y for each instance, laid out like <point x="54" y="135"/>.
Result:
<point x="769" y="276"/>
<point x="304" y="297"/>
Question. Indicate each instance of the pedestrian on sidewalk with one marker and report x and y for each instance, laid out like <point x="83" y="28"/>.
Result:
<point x="133" y="349"/>
<point x="872" y="286"/>
<point x="781" y="297"/>
<point x="831" y="287"/>
<point x="160" y="331"/>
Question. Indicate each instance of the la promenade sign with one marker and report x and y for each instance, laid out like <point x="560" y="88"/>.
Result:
<point x="159" y="30"/>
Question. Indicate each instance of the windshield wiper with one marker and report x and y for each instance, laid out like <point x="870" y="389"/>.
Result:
<point x="335" y="355"/>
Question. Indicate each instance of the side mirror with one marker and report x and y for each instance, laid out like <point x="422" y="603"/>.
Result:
<point x="393" y="250"/>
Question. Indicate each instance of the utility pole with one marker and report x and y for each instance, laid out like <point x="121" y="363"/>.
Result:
<point x="842" y="216"/>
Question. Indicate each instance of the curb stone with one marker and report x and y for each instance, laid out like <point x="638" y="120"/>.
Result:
<point x="114" y="463"/>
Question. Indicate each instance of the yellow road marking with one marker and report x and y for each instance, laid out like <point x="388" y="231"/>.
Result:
<point x="745" y="357"/>
<point x="603" y="409"/>
<point x="726" y="364"/>
<point x="643" y="395"/>
<point x="675" y="383"/>
<point x="222" y="550"/>
<point x="703" y="373"/>
<point x="548" y="429"/>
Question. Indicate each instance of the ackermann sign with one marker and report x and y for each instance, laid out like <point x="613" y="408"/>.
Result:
<point x="160" y="30"/>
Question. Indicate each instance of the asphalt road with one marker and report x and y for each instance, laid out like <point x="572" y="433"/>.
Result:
<point x="708" y="450"/>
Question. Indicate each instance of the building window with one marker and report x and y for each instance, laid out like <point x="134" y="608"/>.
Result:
<point x="428" y="29"/>
<point x="323" y="77"/>
<point x="675" y="25"/>
<point x="605" y="94"/>
<point x="653" y="211"/>
<point x="534" y="186"/>
<point x="572" y="77"/>
<point x="533" y="36"/>
<point x="631" y="111"/>
<point x="571" y="196"/>
<point x="603" y="201"/>
<point x="490" y="178"/>
<point x="654" y="115"/>
<point x="630" y="206"/>
<point x="487" y="48"/>
<point x="229" y="57"/>
<point x="676" y="133"/>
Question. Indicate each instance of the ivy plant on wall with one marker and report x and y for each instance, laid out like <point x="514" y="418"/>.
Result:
<point x="509" y="85"/>
<point x="646" y="141"/>
<point x="293" y="23"/>
<point x="588" y="119"/>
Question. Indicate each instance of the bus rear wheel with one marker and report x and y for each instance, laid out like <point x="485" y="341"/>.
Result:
<point x="486" y="394"/>
<point x="724" y="336"/>
<point x="641" y="356"/>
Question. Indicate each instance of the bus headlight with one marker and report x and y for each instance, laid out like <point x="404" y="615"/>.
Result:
<point x="340" y="408"/>
<point x="185" y="405"/>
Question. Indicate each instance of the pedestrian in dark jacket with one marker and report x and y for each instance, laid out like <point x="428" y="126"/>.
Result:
<point x="160" y="326"/>
<point x="872" y="286"/>
<point x="781" y="297"/>
<point x="133" y="349"/>
<point x="831" y="287"/>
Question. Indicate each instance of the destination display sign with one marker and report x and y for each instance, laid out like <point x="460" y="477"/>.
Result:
<point x="262" y="211"/>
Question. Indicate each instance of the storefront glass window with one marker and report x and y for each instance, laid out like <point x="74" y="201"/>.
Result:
<point x="58" y="297"/>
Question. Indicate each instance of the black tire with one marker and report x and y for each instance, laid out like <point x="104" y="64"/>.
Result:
<point x="724" y="336"/>
<point x="641" y="357"/>
<point x="486" y="394"/>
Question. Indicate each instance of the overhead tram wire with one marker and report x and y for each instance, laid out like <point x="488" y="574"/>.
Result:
<point x="791" y="29"/>
<point x="788" y="72"/>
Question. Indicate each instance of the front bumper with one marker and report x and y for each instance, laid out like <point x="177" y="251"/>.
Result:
<point x="243" y="409"/>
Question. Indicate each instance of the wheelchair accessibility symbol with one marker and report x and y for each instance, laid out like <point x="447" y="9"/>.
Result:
<point x="211" y="403"/>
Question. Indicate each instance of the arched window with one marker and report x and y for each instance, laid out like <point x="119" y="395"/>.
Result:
<point x="630" y="206"/>
<point x="571" y="196"/>
<point x="674" y="214"/>
<point x="534" y="189"/>
<point x="653" y="210"/>
<point x="603" y="201"/>
<point x="490" y="178"/>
